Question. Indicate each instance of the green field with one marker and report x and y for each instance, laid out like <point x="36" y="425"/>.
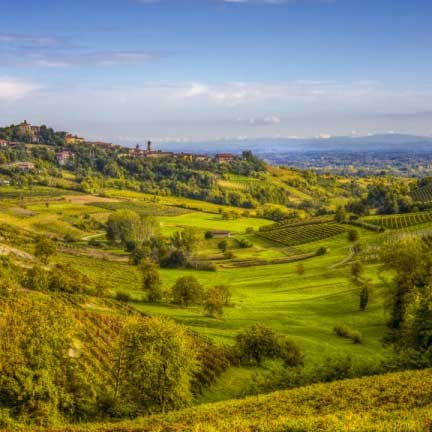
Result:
<point x="304" y="307"/>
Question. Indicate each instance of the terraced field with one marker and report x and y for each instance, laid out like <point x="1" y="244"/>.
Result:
<point x="401" y="221"/>
<point x="300" y="234"/>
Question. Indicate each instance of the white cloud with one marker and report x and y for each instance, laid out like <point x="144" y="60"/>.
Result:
<point x="12" y="89"/>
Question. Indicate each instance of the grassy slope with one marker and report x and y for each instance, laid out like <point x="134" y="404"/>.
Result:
<point x="393" y="402"/>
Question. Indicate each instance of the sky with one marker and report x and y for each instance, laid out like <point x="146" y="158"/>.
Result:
<point x="126" y="71"/>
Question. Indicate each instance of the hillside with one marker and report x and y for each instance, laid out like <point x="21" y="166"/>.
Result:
<point x="116" y="243"/>
<point x="394" y="402"/>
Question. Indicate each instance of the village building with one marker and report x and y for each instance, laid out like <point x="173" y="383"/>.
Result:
<point x="73" y="139"/>
<point x="29" y="130"/>
<point x="63" y="157"/>
<point x="3" y="143"/>
<point x="148" y="152"/>
<point x="224" y="157"/>
<point x="24" y="166"/>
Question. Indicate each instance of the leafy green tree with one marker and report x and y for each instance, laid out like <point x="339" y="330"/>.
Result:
<point x="353" y="235"/>
<point x="156" y="359"/>
<point x="44" y="249"/>
<point x="356" y="269"/>
<point x="215" y="299"/>
<point x="152" y="283"/>
<point x="340" y="215"/>
<point x="39" y="382"/>
<point x="187" y="291"/>
<point x="223" y="245"/>
<point x="130" y="228"/>
<point x="364" y="295"/>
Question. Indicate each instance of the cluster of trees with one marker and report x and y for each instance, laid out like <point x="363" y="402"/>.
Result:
<point x="140" y="235"/>
<point x="410" y="323"/>
<point x="185" y="292"/>
<point x="385" y="198"/>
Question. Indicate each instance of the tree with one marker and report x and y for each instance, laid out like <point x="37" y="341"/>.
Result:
<point x="353" y="235"/>
<point x="152" y="282"/>
<point x="129" y="228"/>
<point x="356" y="269"/>
<point x="215" y="299"/>
<point x="44" y="249"/>
<point x="364" y="295"/>
<point x="186" y="240"/>
<point x="156" y="359"/>
<point x="340" y="215"/>
<point x="259" y="342"/>
<point x="412" y="262"/>
<point x="223" y="245"/>
<point x="187" y="291"/>
<point x="39" y="382"/>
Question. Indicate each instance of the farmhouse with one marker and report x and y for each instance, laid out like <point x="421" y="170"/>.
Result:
<point x="221" y="234"/>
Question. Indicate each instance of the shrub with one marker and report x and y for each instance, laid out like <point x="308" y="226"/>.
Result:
<point x="123" y="296"/>
<point x="244" y="243"/>
<point x="344" y="331"/>
<point x="44" y="249"/>
<point x="321" y="251"/>
<point x="353" y="235"/>
<point x="300" y="269"/>
<point x="259" y="342"/>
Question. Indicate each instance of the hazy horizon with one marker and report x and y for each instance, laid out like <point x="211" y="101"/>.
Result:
<point x="187" y="70"/>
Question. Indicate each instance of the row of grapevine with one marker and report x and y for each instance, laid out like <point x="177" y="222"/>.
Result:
<point x="295" y="235"/>
<point x="401" y="220"/>
<point x="287" y="223"/>
<point x="423" y="194"/>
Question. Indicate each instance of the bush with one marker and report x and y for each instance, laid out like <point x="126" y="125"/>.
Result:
<point x="321" y="251"/>
<point x="244" y="243"/>
<point x="344" y="331"/>
<point x="123" y="296"/>
<point x="259" y="342"/>
<point x="353" y="235"/>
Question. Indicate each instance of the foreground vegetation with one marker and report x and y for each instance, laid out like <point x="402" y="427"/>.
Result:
<point x="394" y="402"/>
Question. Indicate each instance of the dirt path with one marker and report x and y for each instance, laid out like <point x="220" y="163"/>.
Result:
<point x="9" y="250"/>
<point x="345" y="260"/>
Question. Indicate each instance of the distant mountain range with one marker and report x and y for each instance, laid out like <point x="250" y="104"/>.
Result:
<point x="355" y="144"/>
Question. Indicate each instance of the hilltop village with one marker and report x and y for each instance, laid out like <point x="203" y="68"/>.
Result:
<point x="26" y="136"/>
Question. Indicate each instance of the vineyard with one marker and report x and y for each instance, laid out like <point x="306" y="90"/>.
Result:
<point x="393" y="402"/>
<point x="401" y="221"/>
<point x="141" y="207"/>
<point x="299" y="234"/>
<point x="423" y="194"/>
<point x="288" y="223"/>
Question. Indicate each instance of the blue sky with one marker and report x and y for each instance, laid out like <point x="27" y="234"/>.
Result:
<point x="128" y="70"/>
